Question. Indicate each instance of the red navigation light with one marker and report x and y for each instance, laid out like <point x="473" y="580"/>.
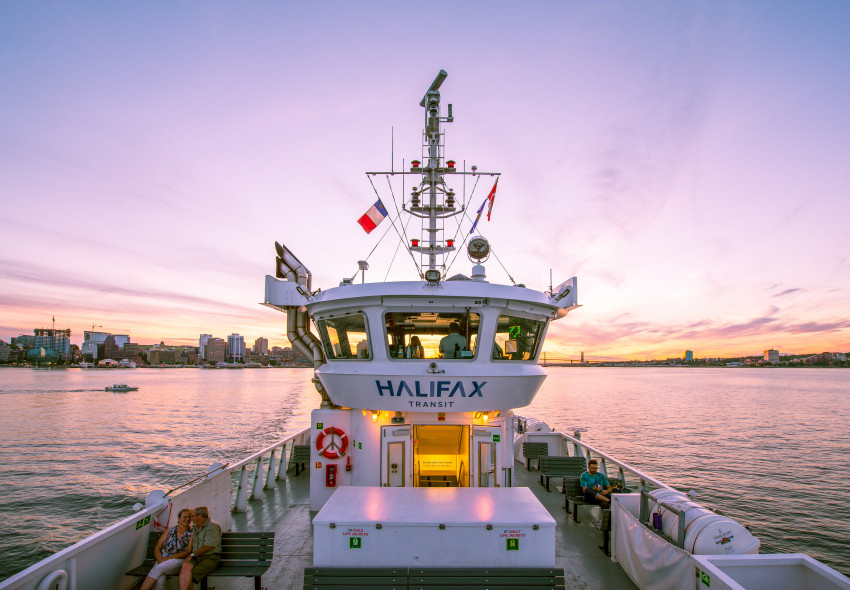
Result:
<point x="414" y="243"/>
<point x="450" y="163"/>
<point x="450" y="243"/>
<point x="415" y="163"/>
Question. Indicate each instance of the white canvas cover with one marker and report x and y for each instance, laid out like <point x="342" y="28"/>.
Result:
<point x="651" y="562"/>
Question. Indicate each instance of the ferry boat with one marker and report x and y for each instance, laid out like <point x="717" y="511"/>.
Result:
<point x="415" y="469"/>
<point x="121" y="387"/>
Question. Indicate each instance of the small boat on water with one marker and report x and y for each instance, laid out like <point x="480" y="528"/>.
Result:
<point x="415" y="471"/>
<point x="121" y="387"/>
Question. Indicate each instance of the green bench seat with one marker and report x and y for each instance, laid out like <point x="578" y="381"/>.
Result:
<point x="534" y="450"/>
<point x="566" y="467"/>
<point x="243" y="555"/>
<point x="339" y="578"/>
<point x="300" y="457"/>
<point x="486" y="578"/>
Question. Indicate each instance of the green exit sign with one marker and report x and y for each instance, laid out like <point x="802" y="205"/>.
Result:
<point x="497" y="437"/>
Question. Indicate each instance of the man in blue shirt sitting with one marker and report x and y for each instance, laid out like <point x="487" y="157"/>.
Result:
<point x="595" y="486"/>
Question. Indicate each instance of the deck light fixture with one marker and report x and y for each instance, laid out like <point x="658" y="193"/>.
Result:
<point x="432" y="276"/>
<point x="375" y="415"/>
<point x="414" y="164"/>
<point x="450" y="243"/>
<point x="450" y="163"/>
<point x="414" y="242"/>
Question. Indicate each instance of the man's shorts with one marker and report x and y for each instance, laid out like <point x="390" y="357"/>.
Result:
<point x="203" y="566"/>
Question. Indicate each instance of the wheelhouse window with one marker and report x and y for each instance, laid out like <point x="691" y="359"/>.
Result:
<point x="345" y="337"/>
<point x="431" y="335"/>
<point x="517" y="338"/>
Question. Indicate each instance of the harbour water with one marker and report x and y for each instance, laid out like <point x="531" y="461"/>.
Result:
<point x="768" y="447"/>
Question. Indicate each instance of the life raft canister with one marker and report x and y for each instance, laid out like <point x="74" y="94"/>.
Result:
<point x="332" y="449"/>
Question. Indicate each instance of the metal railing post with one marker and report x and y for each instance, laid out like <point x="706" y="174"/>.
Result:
<point x="281" y="466"/>
<point x="622" y="476"/>
<point x="257" y="493"/>
<point x="242" y="492"/>
<point x="270" y="475"/>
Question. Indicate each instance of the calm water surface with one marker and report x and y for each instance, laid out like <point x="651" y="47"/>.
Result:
<point x="769" y="447"/>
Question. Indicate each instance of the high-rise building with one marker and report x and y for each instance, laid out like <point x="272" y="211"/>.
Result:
<point x="215" y="349"/>
<point x="59" y="341"/>
<point x="235" y="348"/>
<point x="121" y="340"/>
<point x="688" y="355"/>
<point x="261" y="346"/>
<point x="771" y="356"/>
<point x="202" y="342"/>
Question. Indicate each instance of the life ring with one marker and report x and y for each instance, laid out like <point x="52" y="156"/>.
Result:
<point x="332" y="449"/>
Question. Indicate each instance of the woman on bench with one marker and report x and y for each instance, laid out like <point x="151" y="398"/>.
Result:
<point x="172" y="547"/>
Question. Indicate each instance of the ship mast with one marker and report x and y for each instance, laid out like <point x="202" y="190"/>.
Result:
<point x="439" y="205"/>
<point x="432" y="200"/>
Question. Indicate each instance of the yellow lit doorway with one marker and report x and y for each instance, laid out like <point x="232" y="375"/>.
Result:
<point x="440" y="455"/>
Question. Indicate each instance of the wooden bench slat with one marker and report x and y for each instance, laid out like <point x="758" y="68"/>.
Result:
<point x="446" y="578"/>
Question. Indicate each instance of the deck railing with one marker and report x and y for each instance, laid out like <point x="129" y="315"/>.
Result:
<point x="277" y="462"/>
<point x="581" y="449"/>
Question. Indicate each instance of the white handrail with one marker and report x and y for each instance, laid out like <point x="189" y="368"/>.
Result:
<point x="268" y="449"/>
<point x="621" y="464"/>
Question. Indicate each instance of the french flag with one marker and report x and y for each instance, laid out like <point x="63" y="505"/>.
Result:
<point x="373" y="217"/>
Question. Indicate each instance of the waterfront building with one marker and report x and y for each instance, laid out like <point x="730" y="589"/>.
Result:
<point x="261" y="346"/>
<point x="56" y="340"/>
<point x="771" y="356"/>
<point x="110" y="349"/>
<point x="202" y="343"/>
<point x="91" y="341"/>
<point x="235" y="348"/>
<point x="688" y="355"/>
<point x="215" y="350"/>
<point x="121" y="340"/>
<point x="5" y="352"/>
<point x="24" y="341"/>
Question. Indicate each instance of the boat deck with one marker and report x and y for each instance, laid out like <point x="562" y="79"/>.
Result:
<point x="286" y="510"/>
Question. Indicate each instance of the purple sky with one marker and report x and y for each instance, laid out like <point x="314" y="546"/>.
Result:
<point x="688" y="161"/>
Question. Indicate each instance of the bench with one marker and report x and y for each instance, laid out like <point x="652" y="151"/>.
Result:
<point x="300" y="457"/>
<point x="604" y="525"/>
<point x="243" y="555"/>
<point x="574" y="497"/>
<point x="444" y="578"/>
<point x="482" y="578"/>
<point x="534" y="450"/>
<point x="566" y="467"/>
<point x="351" y="577"/>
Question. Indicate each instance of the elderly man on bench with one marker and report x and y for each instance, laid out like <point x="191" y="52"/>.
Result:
<point x="206" y="549"/>
<point x="596" y="488"/>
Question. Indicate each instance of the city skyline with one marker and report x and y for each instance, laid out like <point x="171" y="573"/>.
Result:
<point x="686" y="162"/>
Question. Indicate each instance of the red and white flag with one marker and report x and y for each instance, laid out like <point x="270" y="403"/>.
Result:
<point x="492" y="197"/>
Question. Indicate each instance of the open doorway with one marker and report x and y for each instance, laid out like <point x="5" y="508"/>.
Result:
<point x="441" y="455"/>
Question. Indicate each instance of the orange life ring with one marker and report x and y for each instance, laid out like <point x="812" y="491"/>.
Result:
<point x="332" y="450"/>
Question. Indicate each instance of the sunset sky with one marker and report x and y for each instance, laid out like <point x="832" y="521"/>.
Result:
<point x="688" y="161"/>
